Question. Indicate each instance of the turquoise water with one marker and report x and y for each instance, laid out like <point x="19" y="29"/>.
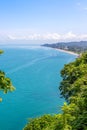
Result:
<point x="35" y="72"/>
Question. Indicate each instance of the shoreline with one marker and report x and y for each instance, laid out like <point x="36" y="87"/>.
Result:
<point x="66" y="51"/>
<point x="69" y="52"/>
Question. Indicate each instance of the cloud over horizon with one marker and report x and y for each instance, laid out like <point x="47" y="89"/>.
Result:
<point x="48" y="37"/>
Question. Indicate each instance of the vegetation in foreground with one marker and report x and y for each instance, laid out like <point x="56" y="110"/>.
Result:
<point x="5" y="82"/>
<point x="74" y="89"/>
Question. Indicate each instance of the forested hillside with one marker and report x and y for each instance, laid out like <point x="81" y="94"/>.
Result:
<point x="77" y="47"/>
<point x="74" y="89"/>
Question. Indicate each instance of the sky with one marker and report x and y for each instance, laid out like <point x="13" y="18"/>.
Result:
<point x="43" y="21"/>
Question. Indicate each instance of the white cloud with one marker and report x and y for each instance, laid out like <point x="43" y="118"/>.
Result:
<point x="51" y="36"/>
<point x="69" y="35"/>
<point x="54" y="37"/>
<point x="46" y="36"/>
<point x="83" y="37"/>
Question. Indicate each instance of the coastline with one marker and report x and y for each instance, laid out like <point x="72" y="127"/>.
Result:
<point x="66" y="51"/>
<point x="69" y="52"/>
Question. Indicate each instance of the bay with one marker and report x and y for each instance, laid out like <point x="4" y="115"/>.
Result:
<point x="35" y="72"/>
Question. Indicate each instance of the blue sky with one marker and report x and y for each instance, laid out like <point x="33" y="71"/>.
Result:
<point x="43" y="20"/>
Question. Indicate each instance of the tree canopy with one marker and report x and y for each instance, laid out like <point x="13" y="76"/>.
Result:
<point x="5" y="82"/>
<point x="73" y="88"/>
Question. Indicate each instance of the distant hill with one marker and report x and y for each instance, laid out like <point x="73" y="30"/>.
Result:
<point x="77" y="47"/>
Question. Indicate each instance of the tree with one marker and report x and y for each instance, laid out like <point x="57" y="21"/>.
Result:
<point x="5" y="82"/>
<point x="73" y="88"/>
<point x="72" y="75"/>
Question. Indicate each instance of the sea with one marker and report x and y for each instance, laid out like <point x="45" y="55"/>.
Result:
<point x="35" y="73"/>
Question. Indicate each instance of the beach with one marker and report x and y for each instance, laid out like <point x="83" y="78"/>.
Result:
<point x="70" y="52"/>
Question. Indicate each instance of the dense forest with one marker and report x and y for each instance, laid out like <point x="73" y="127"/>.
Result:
<point x="73" y="88"/>
<point x="77" y="47"/>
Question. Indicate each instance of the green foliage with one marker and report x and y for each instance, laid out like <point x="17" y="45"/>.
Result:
<point x="1" y="51"/>
<point x="5" y="83"/>
<point x="72" y="75"/>
<point x="74" y="89"/>
<point x="44" y="122"/>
